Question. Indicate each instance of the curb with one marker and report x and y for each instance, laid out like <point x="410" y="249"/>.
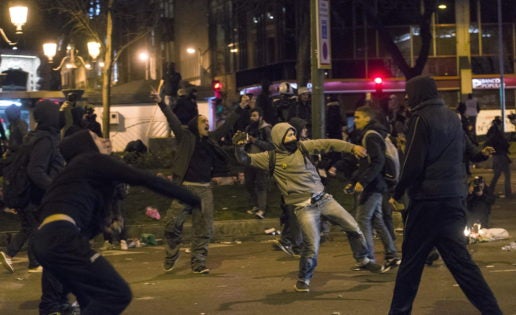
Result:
<point x="227" y="230"/>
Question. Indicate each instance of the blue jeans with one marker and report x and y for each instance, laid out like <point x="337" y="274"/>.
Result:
<point x="309" y="218"/>
<point x="369" y="216"/>
<point x="202" y="227"/>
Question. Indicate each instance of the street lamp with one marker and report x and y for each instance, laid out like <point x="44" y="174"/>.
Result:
<point x="18" y="14"/>
<point x="72" y="60"/>
<point x="144" y="57"/>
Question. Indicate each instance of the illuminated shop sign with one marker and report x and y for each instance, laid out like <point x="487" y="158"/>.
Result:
<point x="486" y="83"/>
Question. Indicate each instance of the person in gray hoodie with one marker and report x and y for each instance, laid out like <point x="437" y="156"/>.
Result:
<point x="300" y="186"/>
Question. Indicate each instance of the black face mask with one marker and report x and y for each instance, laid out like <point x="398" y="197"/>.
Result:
<point x="291" y="146"/>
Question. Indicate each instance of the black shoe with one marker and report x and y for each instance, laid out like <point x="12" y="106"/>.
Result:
<point x="170" y="263"/>
<point x="431" y="258"/>
<point x="285" y="248"/>
<point x="370" y="266"/>
<point x="301" y="286"/>
<point x="390" y="263"/>
<point x="201" y="270"/>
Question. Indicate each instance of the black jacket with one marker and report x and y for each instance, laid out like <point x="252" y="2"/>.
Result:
<point x="85" y="188"/>
<point x="370" y="168"/>
<point x="433" y="164"/>
<point x="187" y="139"/>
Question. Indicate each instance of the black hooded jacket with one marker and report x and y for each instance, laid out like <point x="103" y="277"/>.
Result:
<point x="45" y="161"/>
<point x="433" y="164"/>
<point x="83" y="190"/>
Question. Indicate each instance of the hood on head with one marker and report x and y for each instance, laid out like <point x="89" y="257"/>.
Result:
<point x="76" y="144"/>
<point x="420" y="89"/>
<point x="46" y="114"/>
<point x="278" y="133"/>
<point x="77" y="114"/>
<point x="12" y="112"/>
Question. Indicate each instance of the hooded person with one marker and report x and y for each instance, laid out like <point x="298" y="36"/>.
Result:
<point x="301" y="187"/>
<point x="433" y="174"/>
<point x="43" y="165"/>
<point x="18" y="128"/>
<point x="74" y="211"/>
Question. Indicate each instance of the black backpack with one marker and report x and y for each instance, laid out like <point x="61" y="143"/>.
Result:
<point x="17" y="185"/>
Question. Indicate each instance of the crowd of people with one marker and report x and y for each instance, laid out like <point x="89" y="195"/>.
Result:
<point x="78" y="187"/>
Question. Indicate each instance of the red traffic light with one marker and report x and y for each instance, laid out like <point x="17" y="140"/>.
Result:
<point x="378" y="80"/>
<point x="217" y="85"/>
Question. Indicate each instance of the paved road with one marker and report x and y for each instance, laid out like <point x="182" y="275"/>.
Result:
<point x="251" y="278"/>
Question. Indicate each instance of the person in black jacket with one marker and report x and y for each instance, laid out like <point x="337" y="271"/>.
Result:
<point x="74" y="210"/>
<point x="433" y="174"/>
<point x="370" y="183"/>
<point x="199" y="158"/>
<point x="501" y="160"/>
<point x="45" y="162"/>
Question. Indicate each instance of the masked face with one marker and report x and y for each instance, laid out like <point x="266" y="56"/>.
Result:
<point x="290" y="141"/>
<point x="291" y="146"/>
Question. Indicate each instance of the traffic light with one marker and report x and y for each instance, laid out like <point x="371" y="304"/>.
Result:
<point x="216" y="86"/>
<point x="378" y="85"/>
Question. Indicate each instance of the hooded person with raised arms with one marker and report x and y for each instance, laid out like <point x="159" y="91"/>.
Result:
<point x="301" y="187"/>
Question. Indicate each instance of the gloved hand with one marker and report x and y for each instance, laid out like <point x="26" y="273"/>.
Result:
<point x="240" y="138"/>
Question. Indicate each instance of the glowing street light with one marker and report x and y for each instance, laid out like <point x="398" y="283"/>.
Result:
<point x="18" y="14"/>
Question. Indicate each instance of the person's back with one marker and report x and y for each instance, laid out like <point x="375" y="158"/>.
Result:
<point x="434" y="175"/>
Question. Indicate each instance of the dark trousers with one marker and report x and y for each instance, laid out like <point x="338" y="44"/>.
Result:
<point x="28" y="224"/>
<point x="68" y="257"/>
<point x="291" y="232"/>
<point x="439" y="223"/>
<point x="257" y="183"/>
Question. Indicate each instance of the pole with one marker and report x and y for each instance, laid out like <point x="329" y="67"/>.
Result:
<point x="318" y="112"/>
<point x="501" y="63"/>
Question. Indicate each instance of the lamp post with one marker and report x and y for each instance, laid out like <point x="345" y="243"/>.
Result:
<point x="18" y="13"/>
<point x="72" y="61"/>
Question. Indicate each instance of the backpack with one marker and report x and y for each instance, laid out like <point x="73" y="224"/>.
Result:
<point x="17" y="186"/>
<point x="391" y="168"/>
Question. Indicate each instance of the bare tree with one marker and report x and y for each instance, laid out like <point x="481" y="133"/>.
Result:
<point x="112" y="24"/>
<point x="425" y="19"/>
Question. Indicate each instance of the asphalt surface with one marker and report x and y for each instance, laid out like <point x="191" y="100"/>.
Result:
<point x="249" y="277"/>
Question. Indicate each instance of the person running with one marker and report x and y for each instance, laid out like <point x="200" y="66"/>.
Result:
<point x="74" y="210"/>
<point x="301" y="186"/>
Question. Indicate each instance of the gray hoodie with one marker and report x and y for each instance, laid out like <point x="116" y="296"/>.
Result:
<point x="295" y="175"/>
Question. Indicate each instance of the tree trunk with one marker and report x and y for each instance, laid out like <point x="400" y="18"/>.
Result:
<point x="106" y="72"/>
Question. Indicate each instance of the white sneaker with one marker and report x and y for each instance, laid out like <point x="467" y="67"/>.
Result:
<point x="6" y="262"/>
<point x="123" y="245"/>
